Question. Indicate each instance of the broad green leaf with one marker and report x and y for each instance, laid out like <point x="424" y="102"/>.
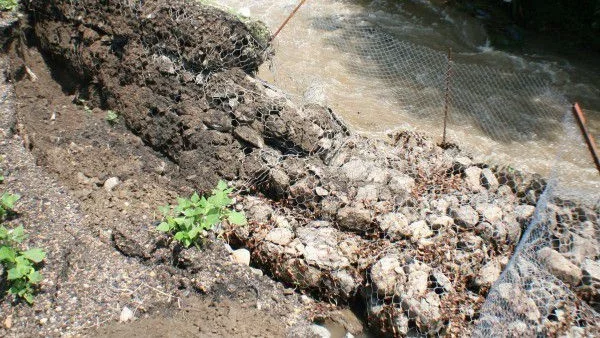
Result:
<point x="164" y="227"/>
<point x="8" y="200"/>
<point x="164" y="210"/>
<point x="211" y="220"/>
<point x="35" y="255"/>
<point x="23" y="261"/>
<point x="35" y="277"/>
<point x="7" y="254"/>
<point x="179" y="220"/>
<point x="222" y="185"/>
<point x="195" y="198"/>
<point x="28" y="297"/>
<point x="191" y="212"/>
<point x="180" y="235"/>
<point x="18" y="272"/>
<point x="237" y="218"/>
<point x="3" y="233"/>
<point x="194" y="232"/>
<point x="18" y="234"/>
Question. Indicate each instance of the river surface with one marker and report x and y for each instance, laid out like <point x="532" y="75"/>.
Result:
<point x="383" y="66"/>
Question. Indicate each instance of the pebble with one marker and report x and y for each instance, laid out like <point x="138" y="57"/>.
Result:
<point x="8" y="322"/>
<point x="126" y="315"/>
<point x="111" y="183"/>
<point x="241" y="256"/>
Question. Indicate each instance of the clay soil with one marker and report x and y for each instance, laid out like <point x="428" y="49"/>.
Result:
<point x="58" y="154"/>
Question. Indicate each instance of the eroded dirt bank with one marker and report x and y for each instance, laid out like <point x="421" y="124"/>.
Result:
<point x="415" y="233"/>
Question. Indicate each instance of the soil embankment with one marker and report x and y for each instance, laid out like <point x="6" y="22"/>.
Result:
<point x="413" y="233"/>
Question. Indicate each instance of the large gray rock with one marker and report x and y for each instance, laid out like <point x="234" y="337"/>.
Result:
<point x="279" y="182"/>
<point x="356" y="170"/>
<point x="241" y="256"/>
<point x="488" y="274"/>
<point x="425" y="311"/>
<point x="418" y="276"/>
<point x="401" y="184"/>
<point x="419" y="229"/>
<point x="258" y="210"/>
<point x="394" y="224"/>
<point x="473" y="179"/>
<point x="367" y="194"/>
<point x="280" y="236"/>
<point x="249" y="135"/>
<point x="490" y="212"/>
<point x="523" y="213"/>
<point x="560" y="267"/>
<point x="324" y="256"/>
<point x="388" y="277"/>
<point x="321" y="248"/>
<point x="489" y="180"/>
<point x="443" y="283"/>
<point x="442" y="222"/>
<point x="517" y="301"/>
<point x="354" y="218"/>
<point x="591" y="273"/>
<point x="465" y="216"/>
<point x="319" y="331"/>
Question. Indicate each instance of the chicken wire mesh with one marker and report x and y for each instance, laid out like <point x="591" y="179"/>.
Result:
<point x="430" y="240"/>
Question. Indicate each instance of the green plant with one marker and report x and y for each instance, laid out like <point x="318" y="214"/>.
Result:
<point x="8" y="5"/>
<point x="7" y="203"/>
<point x="112" y="116"/>
<point x="191" y="217"/>
<point x="22" y="274"/>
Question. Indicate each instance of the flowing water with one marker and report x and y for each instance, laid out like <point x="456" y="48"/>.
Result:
<point x="382" y="65"/>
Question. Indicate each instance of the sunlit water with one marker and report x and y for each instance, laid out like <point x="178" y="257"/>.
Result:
<point x="349" y="56"/>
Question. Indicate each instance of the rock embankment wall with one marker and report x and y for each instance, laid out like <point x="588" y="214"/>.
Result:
<point x="418" y="231"/>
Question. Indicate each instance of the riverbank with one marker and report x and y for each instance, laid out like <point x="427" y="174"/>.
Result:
<point x="412" y="234"/>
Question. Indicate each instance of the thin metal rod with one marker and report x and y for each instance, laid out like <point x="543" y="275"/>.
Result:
<point x="447" y="94"/>
<point x="589" y="139"/>
<point x="287" y="19"/>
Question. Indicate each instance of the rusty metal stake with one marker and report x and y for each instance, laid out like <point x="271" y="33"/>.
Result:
<point x="447" y="94"/>
<point x="287" y="19"/>
<point x="589" y="139"/>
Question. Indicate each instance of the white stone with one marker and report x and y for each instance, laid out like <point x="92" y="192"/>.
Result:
<point x="442" y="222"/>
<point x="559" y="266"/>
<point x="111" y="183"/>
<point x="401" y="184"/>
<point x="241" y="256"/>
<point x="126" y="315"/>
<point x="280" y="236"/>
<point x="488" y="274"/>
<point x="320" y="331"/>
<point x="489" y="180"/>
<point x="472" y="179"/>
<point x="420" y="229"/>
<point x="367" y="193"/>
<point x="490" y="212"/>
<point x="388" y="276"/>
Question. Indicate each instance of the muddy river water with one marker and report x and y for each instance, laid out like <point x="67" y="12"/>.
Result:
<point x="382" y="66"/>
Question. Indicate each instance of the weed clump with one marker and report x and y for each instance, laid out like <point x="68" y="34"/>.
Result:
<point x="192" y="217"/>
<point x="22" y="274"/>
